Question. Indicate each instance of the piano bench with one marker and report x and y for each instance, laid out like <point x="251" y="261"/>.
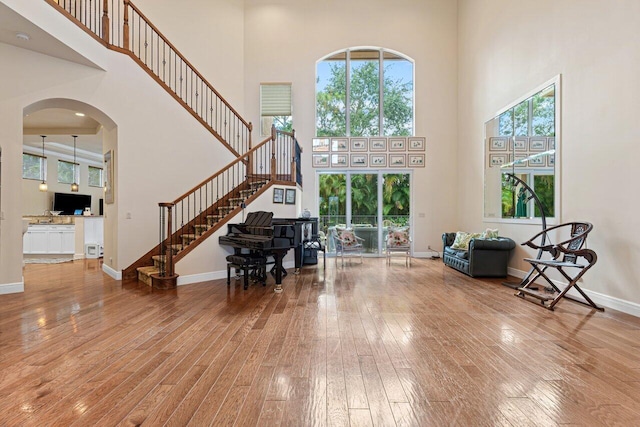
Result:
<point x="249" y="263"/>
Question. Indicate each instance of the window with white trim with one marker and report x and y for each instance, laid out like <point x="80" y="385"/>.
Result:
<point x="95" y="177"/>
<point x="364" y="92"/>
<point x="68" y="172"/>
<point x="34" y="167"/>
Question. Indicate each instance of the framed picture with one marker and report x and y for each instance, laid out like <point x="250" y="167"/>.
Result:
<point x="320" y="160"/>
<point x="339" y="160"/>
<point x="108" y="177"/>
<point x="497" y="159"/>
<point x="520" y="144"/>
<point x="397" y="160"/>
<point x="536" y="160"/>
<point x="320" y="145"/>
<point x="417" y="144"/>
<point x="537" y="144"/>
<point x="551" y="160"/>
<point x="290" y="196"/>
<point x="551" y="143"/>
<point x="339" y="144"/>
<point x="378" y="144"/>
<point x="497" y="144"/>
<point x="416" y="160"/>
<point x="378" y="160"/>
<point x="397" y="144"/>
<point x="359" y="160"/>
<point x="278" y="195"/>
<point x="358" y="144"/>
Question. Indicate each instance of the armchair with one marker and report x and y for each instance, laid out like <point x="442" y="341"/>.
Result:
<point x="398" y="241"/>
<point x="569" y="257"/>
<point x="346" y="243"/>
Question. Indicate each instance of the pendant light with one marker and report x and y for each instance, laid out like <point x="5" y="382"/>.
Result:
<point x="43" y="185"/>
<point x="74" y="186"/>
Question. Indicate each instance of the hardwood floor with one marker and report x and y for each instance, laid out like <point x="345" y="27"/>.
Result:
<point x="363" y="345"/>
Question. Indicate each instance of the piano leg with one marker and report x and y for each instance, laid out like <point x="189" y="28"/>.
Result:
<point x="277" y="257"/>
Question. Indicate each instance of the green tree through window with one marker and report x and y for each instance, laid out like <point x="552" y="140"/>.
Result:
<point x="366" y="100"/>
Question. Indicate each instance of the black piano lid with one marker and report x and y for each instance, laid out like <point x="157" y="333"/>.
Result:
<point x="259" y="219"/>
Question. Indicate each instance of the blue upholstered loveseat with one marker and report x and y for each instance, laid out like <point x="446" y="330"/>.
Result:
<point x="485" y="257"/>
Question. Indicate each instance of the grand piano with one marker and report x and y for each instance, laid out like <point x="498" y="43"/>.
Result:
<point x="263" y="236"/>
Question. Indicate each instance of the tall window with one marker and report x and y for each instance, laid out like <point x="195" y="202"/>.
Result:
<point x="364" y="92"/>
<point x="68" y="172"/>
<point x="33" y="167"/>
<point x="95" y="177"/>
<point x="275" y="107"/>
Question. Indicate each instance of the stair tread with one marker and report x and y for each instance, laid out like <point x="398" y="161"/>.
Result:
<point x="148" y="269"/>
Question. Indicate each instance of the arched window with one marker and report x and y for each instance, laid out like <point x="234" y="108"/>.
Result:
<point x="364" y="92"/>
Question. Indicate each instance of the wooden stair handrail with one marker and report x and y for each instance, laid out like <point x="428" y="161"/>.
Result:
<point x="103" y="35"/>
<point x="224" y="169"/>
<point x="134" y="7"/>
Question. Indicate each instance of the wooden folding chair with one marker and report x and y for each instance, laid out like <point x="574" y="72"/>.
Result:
<point x="568" y="257"/>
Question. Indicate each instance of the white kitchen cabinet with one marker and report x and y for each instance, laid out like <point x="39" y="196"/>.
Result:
<point x="35" y="240"/>
<point x="49" y="239"/>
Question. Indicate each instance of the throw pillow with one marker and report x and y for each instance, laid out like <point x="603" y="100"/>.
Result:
<point x="347" y="236"/>
<point x="462" y="240"/>
<point x="398" y="238"/>
<point x="490" y="233"/>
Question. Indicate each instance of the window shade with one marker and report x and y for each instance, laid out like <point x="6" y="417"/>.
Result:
<point x="275" y="99"/>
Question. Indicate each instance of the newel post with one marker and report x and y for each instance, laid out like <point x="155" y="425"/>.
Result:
<point x="169" y="260"/>
<point x="166" y="240"/>
<point x="105" y="21"/>
<point x="273" y="153"/>
<point x="125" y="26"/>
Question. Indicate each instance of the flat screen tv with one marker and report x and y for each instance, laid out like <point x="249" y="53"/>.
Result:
<point x="68" y="204"/>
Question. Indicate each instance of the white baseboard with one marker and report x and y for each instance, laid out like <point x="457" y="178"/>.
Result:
<point x="12" y="288"/>
<point x="603" y="300"/>
<point x="201" y="277"/>
<point x="117" y="275"/>
<point x="78" y="256"/>
<point x="215" y="275"/>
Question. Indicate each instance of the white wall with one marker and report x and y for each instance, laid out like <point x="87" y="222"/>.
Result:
<point x="209" y="34"/>
<point x="506" y="49"/>
<point x="284" y="39"/>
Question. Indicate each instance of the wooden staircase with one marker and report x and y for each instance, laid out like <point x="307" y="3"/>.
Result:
<point x="194" y="233"/>
<point x="197" y="214"/>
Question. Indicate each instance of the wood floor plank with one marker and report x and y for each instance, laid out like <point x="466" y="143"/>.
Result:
<point x="364" y="344"/>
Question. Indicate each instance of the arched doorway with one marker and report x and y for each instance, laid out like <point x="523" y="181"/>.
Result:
<point x="65" y="141"/>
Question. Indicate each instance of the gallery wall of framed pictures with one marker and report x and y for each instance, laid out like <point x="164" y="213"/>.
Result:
<point x="526" y="151"/>
<point x="369" y="152"/>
